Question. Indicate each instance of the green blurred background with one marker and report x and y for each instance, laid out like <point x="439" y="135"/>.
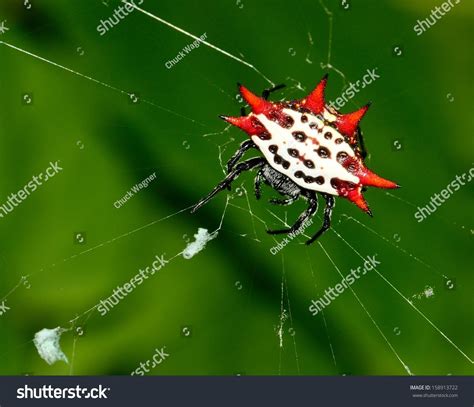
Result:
<point x="229" y="297"/>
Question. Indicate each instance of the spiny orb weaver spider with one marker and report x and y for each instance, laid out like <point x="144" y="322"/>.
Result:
<point x="307" y="147"/>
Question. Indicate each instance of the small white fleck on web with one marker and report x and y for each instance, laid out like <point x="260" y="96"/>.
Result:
<point x="427" y="292"/>
<point x="47" y="345"/>
<point x="201" y="238"/>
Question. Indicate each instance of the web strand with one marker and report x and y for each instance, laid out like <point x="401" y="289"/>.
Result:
<point x="326" y="329"/>
<point x="401" y="249"/>
<point x="405" y="366"/>
<point x="130" y="95"/>
<point x="410" y="303"/>
<point x="182" y="31"/>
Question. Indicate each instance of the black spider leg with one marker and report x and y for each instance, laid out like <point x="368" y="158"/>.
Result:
<point x="266" y="92"/>
<point x="258" y="184"/>
<point x="312" y="207"/>
<point x="243" y="166"/>
<point x="284" y="202"/>
<point x="245" y="146"/>
<point x="360" y="139"/>
<point x="330" y="201"/>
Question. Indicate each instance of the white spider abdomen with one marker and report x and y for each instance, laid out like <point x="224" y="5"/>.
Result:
<point x="309" y="152"/>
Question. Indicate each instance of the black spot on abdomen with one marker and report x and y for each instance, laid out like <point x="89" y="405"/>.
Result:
<point x="278" y="159"/>
<point x="323" y="152"/>
<point x="341" y="156"/>
<point x="293" y="152"/>
<point x="299" y="136"/>
<point x="288" y="122"/>
<point x="282" y="119"/>
<point x="339" y="184"/>
<point x="264" y="135"/>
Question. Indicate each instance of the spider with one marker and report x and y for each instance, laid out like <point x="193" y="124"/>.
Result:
<point x="308" y="147"/>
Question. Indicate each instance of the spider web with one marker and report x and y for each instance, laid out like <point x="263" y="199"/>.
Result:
<point x="259" y="218"/>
